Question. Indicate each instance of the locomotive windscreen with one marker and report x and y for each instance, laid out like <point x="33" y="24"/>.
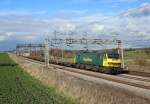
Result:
<point x="113" y="56"/>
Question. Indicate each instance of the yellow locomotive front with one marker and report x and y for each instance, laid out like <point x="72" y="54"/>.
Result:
<point x="112" y="61"/>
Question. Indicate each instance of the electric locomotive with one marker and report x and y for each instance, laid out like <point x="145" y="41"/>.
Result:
<point x="109" y="63"/>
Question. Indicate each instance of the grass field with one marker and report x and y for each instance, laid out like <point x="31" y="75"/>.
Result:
<point x="5" y="60"/>
<point x="135" y="55"/>
<point x="18" y="87"/>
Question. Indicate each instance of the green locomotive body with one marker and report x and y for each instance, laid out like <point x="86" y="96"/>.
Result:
<point x="102" y="61"/>
<point x="90" y="59"/>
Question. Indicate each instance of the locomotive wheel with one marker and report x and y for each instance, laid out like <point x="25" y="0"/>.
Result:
<point x="82" y="67"/>
<point x="88" y="67"/>
<point x="68" y="65"/>
<point x="101" y="70"/>
<point x="108" y="71"/>
<point x="73" y="65"/>
<point x="78" y="66"/>
<point x="96" y="68"/>
<point x="111" y="71"/>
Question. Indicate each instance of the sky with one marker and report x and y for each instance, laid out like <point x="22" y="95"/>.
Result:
<point x="56" y="7"/>
<point x="30" y="21"/>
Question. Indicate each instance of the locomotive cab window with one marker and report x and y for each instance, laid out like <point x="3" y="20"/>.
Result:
<point x="113" y="56"/>
<point x="105" y="56"/>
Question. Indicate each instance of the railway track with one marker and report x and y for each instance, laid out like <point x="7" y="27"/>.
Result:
<point x="131" y="80"/>
<point x="140" y="78"/>
<point x="144" y="74"/>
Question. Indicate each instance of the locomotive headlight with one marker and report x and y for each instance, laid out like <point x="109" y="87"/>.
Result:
<point x="114" y="64"/>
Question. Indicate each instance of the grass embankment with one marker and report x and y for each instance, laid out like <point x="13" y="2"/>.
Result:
<point x="18" y="87"/>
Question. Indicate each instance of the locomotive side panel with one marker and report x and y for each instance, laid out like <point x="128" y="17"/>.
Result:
<point x="95" y="59"/>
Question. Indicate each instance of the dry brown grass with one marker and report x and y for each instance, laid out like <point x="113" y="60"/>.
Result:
<point x="141" y="62"/>
<point x="85" y="91"/>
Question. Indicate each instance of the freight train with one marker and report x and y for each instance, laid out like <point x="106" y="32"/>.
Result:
<point x="105" y="62"/>
<point x="109" y="63"/>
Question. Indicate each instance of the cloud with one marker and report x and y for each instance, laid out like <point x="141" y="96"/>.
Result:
<point x="2" y="38"/>
<point x="66" y="27"/>
<point x="143" y="10"/>
<point x="97" y="28"/>
<point x="31" y="29"/>
<point x="27" y="28"/>
<point x="73" y="11"/>
<point x="145" y="4"/>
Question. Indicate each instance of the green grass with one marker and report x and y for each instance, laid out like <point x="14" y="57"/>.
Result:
<point x="5" y="60"/>
<point x="135" y="55"/>
<point x="18" y="87"/>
